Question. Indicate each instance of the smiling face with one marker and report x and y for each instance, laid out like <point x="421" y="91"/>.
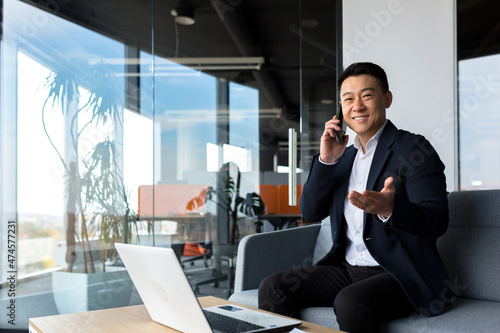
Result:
<point x="363" y="105"/>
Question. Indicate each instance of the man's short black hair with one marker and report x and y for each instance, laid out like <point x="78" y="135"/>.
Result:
<point x="368" y="68"/>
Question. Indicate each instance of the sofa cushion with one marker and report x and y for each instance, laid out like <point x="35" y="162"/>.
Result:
<point x="466" y="315"/>
<point x="470" y="256"/>
<point x="470" y="246"/>
<point x="324" y="241"/>
<point x="323" y="316"/>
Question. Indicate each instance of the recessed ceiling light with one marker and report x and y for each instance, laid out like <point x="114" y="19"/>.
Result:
<point x="183" y="14"/>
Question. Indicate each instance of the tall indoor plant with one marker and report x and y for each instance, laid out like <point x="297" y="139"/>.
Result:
<point x="98" y="211"/>
<point x="97" y="205"/>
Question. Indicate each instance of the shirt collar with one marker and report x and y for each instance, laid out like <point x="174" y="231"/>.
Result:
<point x="373" y="141"/>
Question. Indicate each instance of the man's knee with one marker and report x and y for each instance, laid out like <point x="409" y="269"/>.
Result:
<point x="275" y="294"/>
<point x="271" y="290"/>
<point x="352" y="313"/>
<point x="344" y="305"/>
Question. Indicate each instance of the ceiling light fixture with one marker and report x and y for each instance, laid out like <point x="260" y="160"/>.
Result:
<point x="221" y="63"/>
<point x="183" y="14"/>
<point x="199" y="63"/>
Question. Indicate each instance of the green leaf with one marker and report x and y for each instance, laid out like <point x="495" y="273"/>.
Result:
<point x="252" y="205"/>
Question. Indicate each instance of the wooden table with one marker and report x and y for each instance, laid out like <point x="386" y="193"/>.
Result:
<point x="126" y="319"/>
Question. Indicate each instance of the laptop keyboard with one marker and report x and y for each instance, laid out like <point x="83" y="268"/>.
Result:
<point x="227" y="324"/>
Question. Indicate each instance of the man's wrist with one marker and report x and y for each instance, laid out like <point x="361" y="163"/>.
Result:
<point x="326" y="163"/>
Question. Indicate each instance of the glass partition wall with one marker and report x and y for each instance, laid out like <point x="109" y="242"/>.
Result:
<point x="154" y="123"/>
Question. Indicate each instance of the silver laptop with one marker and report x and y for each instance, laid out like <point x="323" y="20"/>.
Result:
<point x="170" y="300"/>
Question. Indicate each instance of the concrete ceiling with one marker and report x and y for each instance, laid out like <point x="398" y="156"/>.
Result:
<point x="295" y="74"/>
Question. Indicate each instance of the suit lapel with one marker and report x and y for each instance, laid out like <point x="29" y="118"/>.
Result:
<point x="342" y="175"/>
<point x="381" y="155"/>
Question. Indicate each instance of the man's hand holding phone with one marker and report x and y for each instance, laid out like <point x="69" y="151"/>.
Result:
<point x="333" y="140"/>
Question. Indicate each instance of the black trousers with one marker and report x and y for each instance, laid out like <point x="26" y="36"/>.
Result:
<point x="362" y="297"/>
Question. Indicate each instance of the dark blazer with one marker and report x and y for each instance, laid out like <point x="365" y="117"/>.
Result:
<point x="406" y="245"/>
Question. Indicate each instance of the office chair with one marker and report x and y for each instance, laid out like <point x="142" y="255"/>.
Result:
<point x="199" y="251"/>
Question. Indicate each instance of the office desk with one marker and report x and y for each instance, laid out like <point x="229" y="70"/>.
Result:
<point x="125" y="319"/>
<point x="180" y="218"/>
<point x="279" y="220"/>
<point x="190" y="226"/>
<point x="174" y="217"/>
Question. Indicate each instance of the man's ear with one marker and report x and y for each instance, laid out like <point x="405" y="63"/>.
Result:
<point x="388" y="99"/>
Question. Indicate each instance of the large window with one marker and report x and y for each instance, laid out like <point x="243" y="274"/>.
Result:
<point x="185" y="111"/>
<point x="40" y="176"/>
<point x="479" y="117"/>
<point x="478" y="51"/>
<point x="70" y="107"/>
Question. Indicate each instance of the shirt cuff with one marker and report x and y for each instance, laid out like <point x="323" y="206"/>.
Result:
<point x="319" y="159"/>
<point x="384" y="220"/>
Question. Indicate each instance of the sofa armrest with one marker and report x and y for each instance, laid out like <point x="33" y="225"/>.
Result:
<point x="262" y="254"/>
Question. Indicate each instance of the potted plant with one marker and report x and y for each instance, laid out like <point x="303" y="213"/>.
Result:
<point x="229" y="201"/>
<point x="98" y="212"/>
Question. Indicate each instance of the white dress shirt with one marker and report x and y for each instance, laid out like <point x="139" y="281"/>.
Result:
<point x="356" y="253"/>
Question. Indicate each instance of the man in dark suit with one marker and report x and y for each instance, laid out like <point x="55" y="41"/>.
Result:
<point x="387" y="201"/>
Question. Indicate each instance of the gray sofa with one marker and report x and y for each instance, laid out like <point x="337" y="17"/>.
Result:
<point x="470" y="250"/>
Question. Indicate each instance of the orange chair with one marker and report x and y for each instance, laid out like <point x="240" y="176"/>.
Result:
<point x="269" y="195"/>
<point x="285" y="213"/>
<point x="283" y="206"/>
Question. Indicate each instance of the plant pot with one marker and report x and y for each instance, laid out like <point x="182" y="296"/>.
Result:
<point x="77" y="292"/>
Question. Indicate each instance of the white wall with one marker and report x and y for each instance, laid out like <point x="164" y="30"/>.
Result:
<point x="414" y="41"/>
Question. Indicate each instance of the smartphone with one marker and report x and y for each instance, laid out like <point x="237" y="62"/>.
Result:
<point x="339" y="135"/>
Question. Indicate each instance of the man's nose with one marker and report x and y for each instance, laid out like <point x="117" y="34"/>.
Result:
<point x="357" y="105"/>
